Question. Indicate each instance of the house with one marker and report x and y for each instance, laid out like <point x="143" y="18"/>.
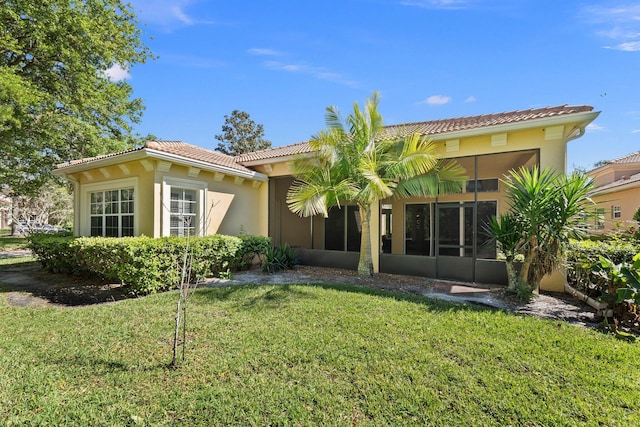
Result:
<point x="151" y="189"/>
<point x="617" y="192"/>
<point x="5" y="211"/>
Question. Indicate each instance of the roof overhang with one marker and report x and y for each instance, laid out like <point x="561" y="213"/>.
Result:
<point x="619" y="186"/>
<point x="148" y="153"/>
<point x="581" y="120"/>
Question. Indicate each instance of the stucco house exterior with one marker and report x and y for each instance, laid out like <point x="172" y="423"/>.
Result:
<point x="617" y="192"/>
<point x="144" y="190"/>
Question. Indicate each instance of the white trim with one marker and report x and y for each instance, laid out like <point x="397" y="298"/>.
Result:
<point x="115" y="184"/>
<point x="202" y="190"/>
<point x="144" y="154"/>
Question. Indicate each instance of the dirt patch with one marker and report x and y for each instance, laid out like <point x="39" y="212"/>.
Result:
<point x="29" y="285"/>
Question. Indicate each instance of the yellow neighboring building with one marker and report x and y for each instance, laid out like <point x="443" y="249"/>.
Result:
<point x="617" y="193"/>
<point x="146" y="190"/>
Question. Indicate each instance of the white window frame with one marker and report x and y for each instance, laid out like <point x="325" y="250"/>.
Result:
<point x="116" y="184"/>
<point x="201" y="189"/>
<point x="616" y="212"/>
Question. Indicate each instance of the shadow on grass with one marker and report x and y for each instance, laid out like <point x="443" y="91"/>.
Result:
<point x="102" y="366"/>
<point x="275" y="296"/>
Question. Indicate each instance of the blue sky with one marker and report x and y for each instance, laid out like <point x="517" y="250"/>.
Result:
<point x="285" y="61"/>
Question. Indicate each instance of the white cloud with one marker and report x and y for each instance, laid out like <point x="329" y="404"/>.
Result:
<point x="263" y="52"/>
<point x="635" y="131"/>
<point x="470" y="99"/>
<point x="317" y="72"/>
<point x="437" y="100"/>
<point x="594" y="128"/>
<point x="633" y="46"/>
<point x="117" y="73"/>
<point x="169" y="14"/>
<point x="620" y="24"/>
<point x="181" y="16"/>
<point x="436" y="4"/>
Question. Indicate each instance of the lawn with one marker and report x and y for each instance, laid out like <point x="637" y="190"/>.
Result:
<point x="12" y="243"/>
<point x="309" y="355"/>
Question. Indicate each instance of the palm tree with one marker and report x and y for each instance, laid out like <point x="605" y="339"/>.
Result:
<point x="546" y="210"/>
<point x="357" y="161"/>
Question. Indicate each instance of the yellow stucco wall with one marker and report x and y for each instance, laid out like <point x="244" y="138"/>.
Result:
<point x="232" y="205"/>
<point x="629" y="202"/>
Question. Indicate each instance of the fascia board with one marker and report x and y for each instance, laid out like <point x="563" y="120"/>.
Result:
<point x="621" y="187"/>
<point x="185" y="161"/>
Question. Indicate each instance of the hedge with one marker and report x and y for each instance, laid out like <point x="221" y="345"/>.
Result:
<point x="144" y="264"/>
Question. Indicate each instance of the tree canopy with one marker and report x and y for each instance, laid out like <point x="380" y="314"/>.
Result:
<point x="57" y="101"/>
<point x="241" y="135"/>
<point x="356" y="162"/>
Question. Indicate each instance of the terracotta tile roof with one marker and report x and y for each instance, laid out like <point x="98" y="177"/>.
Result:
<point x="91" y="159"/>
<point x="629" y="158"/>
<point x="193" y="152"/>
<point x="433" y="127"/>
<point x="270" y="153"/>
<point x="436" y="127"/>
<point x="177" y="148"/>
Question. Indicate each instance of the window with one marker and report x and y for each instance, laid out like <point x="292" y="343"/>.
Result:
<point x="183" y="202"/>
<point x="418" y="226"/>
<point x="386" y="229"/>
<point x="342" y="229"/>
<point x="599" y="218"/>
<point x="112" y="213"/>
<point x="616" y="212"/>
<point x="183" y="212"/>
<point x="483" y="185"/>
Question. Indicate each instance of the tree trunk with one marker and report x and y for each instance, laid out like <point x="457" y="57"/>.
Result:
<point x="512" y="275"/>
<point x="365" y="264"/>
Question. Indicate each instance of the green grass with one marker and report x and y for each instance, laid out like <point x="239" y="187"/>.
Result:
<point x="12" y="243"/>
<point x="309" y="355"/>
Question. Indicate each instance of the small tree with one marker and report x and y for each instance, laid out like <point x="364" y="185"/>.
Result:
<point x="546" y="210"/>
<point x="241" y="135"/>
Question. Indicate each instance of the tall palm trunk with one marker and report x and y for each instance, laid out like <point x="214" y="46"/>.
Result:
<point x="365" y="263"/>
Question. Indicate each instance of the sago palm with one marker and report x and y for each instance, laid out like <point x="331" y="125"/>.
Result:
<point x="356" y="162"/>
<point x="546" y="209"/>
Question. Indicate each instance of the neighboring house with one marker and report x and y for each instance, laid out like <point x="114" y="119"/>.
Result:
<point x="617" y="192"/>
<point x="150" y="189"/>
<point x="5" y="211"/>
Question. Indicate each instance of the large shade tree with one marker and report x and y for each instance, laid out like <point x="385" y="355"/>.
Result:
<point x="58" y="99"/>
<point x="241" y="135"/>
<point x="358" y="161"/>
<point x="546" y="210"/>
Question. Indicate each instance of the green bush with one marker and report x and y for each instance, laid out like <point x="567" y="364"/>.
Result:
<point x="145" y="264"/>
<point x="583" y="260"/>
<point x="281" y="257"/>
<point x="252" y="246"/>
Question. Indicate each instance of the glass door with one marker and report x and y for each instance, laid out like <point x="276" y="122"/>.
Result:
<point x="455" y="241"/>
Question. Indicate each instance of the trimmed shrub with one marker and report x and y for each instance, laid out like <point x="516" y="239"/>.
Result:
<point x="145" y="264"/>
